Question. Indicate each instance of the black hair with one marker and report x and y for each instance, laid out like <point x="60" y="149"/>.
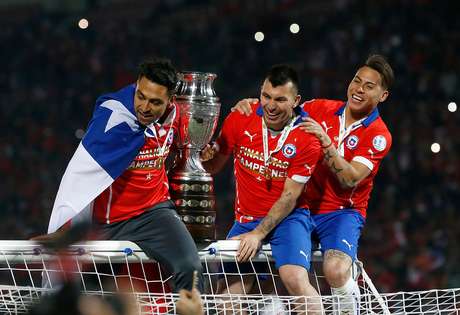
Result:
<point x="282" y="74"/>
<point x="381" y="65"/>
<point x="160" y="71"/>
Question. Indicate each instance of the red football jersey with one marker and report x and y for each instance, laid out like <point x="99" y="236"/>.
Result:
<point x="296" y="159"/>
<point x="366" y="141"/>
<point x="144" y="183"/>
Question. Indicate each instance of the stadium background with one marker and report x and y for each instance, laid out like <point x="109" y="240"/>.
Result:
<point x="52" y="71"/>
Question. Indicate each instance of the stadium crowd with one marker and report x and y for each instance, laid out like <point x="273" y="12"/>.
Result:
<point x="52" y="72"/>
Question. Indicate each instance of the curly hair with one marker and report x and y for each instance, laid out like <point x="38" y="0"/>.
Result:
<point x="160" y="71"/>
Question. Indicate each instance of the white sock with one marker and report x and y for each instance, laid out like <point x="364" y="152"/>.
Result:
<point x="348" y="303"/>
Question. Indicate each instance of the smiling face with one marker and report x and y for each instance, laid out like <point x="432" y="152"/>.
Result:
<point x="150" y="101"/>
<point x="365" y="91"/>
<point x="278" y="103"/>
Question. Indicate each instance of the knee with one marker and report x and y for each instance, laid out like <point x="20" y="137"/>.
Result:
<point x="295" y="281"/>
<point x="184" y="277"/>
<point x="337" y="271"/>
<point x="188" y="265"/>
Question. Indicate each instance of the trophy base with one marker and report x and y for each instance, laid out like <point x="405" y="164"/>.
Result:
<point x="195" y="202"/>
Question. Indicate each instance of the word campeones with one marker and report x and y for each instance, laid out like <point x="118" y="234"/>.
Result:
<point x="147" y="159"/>
<point x="244" y="154"/>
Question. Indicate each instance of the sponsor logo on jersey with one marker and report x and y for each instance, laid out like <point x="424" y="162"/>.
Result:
<point x="352" y="142"/>
<point x="326" y="127"/>
<point x="379" y="142"/>
<point x="249" y="135"/>
<point x="289" y="150"/>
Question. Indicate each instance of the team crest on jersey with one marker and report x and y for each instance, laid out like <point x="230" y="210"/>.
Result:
<point x="379" y="142"/>
<point x="352" y="142"/>
<point x="289" y="150"/>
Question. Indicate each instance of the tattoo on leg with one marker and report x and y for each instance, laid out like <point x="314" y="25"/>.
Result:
<point x="336" y="253"/>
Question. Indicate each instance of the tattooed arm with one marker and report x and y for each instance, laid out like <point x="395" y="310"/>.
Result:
<point x="282" y="207"/>
<point x="251" y="241"/>
<point x="349" y="174"/>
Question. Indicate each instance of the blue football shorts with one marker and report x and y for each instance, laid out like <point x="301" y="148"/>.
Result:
<point x="339" y="230"/>
<point x="290" y="240"/>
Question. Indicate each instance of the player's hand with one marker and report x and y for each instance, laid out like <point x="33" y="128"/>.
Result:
<point x="249" y="245"/>
<point x="94" y="305"/>
<point x="189" y="303"/>
<point x="48" y="237"/>
<point x="244" y="106"/>
<point x="311" y="126"/>
<point x="208" y="152"/>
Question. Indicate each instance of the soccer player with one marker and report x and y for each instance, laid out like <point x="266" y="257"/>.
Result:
<point x="354" y="140"/>
<point x="273" y="160"/>
<point x="118" y="172"/>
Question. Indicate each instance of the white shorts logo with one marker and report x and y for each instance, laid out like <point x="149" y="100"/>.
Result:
<point x="289" y="150"/>
<point x="352" y="142"/>
<point x="379" y="143"/>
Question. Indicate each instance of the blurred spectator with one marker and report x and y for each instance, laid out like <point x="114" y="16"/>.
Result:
<point x="189" y="303"/>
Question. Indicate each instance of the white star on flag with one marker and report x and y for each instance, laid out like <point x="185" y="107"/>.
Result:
<point x="120" y="114"/>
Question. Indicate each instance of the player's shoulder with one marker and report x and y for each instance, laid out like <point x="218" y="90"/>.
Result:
<point x="378" y="126"/>
<point x="123" y="96"/>
<point x="305" y="139"/>
<point x="236" y="118"/>
<point x="378" y="135"/>
<point x="322" y="104"/>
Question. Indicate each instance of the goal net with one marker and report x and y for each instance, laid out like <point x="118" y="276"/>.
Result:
<point x="28" y="272"/>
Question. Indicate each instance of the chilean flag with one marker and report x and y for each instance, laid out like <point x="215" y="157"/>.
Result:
<point x="112" y="141"/>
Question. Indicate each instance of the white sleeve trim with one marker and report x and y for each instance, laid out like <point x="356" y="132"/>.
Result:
<point x="364" y="161"/>
<point x="300" y="179"/>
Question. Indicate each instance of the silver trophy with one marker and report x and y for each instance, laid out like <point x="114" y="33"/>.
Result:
<point x="191" y="187"/>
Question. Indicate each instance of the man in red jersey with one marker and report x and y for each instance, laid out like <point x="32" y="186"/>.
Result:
<point x="354" y="141"/>
<point x="118" y="173"/>
<point x="273" y="160"/>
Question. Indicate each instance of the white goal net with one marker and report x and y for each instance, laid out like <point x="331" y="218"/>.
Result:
<point x="103" y="268"/>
